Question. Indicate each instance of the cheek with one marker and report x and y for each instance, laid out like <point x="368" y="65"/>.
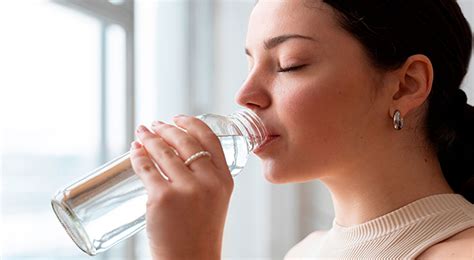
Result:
<point x="321" y="120"/>
<point x="325" y="98"/>
<point x="313" y="111"/>
<point x="311" y="128"/>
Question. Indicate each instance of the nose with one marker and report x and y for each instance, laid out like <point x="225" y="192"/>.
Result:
<point x="253" y="94"/>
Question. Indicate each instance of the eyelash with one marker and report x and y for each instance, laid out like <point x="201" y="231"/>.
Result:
<point x="290" y="69"/>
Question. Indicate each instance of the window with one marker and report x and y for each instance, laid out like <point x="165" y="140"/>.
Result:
<point x="65" y="94"/>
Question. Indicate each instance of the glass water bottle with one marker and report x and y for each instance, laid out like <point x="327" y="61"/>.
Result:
<point x="109" y="204"/>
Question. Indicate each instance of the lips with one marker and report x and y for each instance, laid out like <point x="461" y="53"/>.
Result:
<point x="268" y="140"/>
<point x="270" y="134"/>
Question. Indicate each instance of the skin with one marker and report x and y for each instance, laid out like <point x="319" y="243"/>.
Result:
<point x="335" y="126"/>
<point x="193" y="198"/>
<point x="332" y="115"/>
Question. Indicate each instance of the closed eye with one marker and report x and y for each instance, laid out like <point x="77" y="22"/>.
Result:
<point x="292" y="68"/>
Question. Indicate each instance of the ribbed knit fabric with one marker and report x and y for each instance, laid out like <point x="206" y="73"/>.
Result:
<point x="402" y="234"/>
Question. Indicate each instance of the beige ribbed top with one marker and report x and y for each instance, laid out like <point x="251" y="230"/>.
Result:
<point x="402" y="234"/>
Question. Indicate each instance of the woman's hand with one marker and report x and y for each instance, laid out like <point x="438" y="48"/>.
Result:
<point x="185" y="214"/>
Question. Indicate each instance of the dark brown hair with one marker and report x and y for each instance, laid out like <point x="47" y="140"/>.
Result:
<point x="393" y="30"/>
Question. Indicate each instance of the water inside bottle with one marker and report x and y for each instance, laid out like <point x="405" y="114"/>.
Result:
<point x="236" y="152"/>
<point x="116" y="210"/>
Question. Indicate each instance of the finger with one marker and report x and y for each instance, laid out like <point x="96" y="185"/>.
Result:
<point x="145" y="169"/>
<point x="206" y="137"/>
<point x="163" y="155"/>
<point x="185" y="144"/>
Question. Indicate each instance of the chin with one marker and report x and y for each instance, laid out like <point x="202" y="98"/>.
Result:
<point x="284" y="175"/>
<point x="277" y="176"/>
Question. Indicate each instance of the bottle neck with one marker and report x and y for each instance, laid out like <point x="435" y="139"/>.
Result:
<point x="251" y="127"/>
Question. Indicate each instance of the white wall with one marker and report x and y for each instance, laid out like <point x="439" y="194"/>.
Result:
<point x="468" y="84"/>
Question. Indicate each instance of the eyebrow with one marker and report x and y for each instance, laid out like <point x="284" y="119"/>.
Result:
<point x="275" y="41"/>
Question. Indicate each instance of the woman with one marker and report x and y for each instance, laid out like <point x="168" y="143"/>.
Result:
<point x="363" y="95"/>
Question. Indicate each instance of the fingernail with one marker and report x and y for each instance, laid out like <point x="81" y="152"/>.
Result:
<point x="136" y="145"/>
<point x="141" y="129"/>
<point x="180" y="116"/>
<point x="157" y="122"/>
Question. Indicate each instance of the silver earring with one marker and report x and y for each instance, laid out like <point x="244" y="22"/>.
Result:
<point x="397" y="120"/>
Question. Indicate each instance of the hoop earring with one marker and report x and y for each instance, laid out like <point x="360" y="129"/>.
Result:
<point x="397" y="120"/>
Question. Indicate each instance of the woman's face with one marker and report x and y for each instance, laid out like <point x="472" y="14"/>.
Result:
<point x="313" y="86"/>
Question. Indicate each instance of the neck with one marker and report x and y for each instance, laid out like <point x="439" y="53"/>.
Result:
<point x="369" y="190"/>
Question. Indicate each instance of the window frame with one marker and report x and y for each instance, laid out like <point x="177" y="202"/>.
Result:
<point x="120" y="14"/>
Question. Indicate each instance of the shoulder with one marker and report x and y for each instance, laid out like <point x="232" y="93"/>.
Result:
<point x="299" y="251"/>
<point x="459" y="246"/>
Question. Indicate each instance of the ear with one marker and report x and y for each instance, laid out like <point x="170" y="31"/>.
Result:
<point x="415" y="79"/>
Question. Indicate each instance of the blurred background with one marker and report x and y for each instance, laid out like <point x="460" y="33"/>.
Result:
<point x="77" y="76"/>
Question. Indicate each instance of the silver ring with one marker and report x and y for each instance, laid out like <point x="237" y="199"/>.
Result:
<point x="196" y="156"/>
